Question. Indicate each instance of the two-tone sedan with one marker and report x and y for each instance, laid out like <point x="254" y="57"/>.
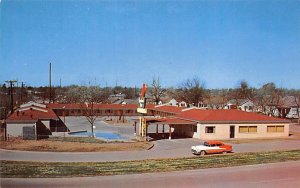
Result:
<point x="211" y="147"/>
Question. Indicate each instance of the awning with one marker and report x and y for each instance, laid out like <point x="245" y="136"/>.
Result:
<point x="170" y="121"/>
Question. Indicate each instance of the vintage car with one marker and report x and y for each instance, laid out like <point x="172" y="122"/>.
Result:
<point x="211" y="147"/>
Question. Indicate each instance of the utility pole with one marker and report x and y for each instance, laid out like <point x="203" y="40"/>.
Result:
<point x="22" y="91"/>
<point x="50" y="92"/>
<point x="11" y="83"/>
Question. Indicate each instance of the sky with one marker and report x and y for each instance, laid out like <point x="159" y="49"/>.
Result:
<point x="126" y="43"/>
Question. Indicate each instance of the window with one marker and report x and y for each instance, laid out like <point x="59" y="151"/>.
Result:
<point x="194" y="128"/>
<point x="275" y="129"/>
<point x="248" y="129"/>
<point x="210" y="129"/>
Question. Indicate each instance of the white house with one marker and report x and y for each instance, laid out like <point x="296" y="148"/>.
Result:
<point x="242" y="104"/>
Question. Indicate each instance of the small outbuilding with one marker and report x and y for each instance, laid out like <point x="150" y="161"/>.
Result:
<point x="31" y="116"/>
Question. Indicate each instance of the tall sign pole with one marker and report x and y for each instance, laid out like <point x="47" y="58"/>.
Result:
<point x="142" y="111"/>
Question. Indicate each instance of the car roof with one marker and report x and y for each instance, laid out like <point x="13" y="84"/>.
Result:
<point x="214" y="142"/>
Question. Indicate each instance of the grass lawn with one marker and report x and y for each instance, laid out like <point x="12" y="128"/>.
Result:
<point x="22" y="169"/>
<point x="72" y="144"/>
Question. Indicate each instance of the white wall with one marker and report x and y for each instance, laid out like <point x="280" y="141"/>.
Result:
<point x="15" y="129"/>
<point x="245" y="107"/>
<point x="46" y="123"/>
<point x="222" y="131"/>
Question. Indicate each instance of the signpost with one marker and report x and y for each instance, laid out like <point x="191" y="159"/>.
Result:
<point x="142" y="111"/>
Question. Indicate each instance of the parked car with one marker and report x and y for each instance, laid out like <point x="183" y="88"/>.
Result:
<point x="211" y="147"/>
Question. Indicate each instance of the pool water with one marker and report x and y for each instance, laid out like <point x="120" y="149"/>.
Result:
<point x="103" y="135"/>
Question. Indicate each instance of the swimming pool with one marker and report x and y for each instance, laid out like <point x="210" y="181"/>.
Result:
<point x="103" y="135"/>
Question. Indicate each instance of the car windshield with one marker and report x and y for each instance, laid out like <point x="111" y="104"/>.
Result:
<point x="206" y="144"/>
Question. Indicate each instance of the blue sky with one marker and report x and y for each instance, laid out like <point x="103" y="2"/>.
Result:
<point x="130" y="42"/>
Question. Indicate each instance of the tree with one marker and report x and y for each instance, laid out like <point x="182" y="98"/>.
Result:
<point x="268" y="97"/>
<point x="4" y="102"/>
<point x="129" y="93"/>
<point x="297" y="102"/>
<point x="156" y="90"/>
<point x="192" y="92"/>
<point x="244" y="91"/>
<point x="89" y="97"/>
<point x="72" y="94"/>
<point x="217" y="98"/>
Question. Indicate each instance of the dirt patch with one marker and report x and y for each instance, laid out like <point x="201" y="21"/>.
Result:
<point x="63" y="146"/>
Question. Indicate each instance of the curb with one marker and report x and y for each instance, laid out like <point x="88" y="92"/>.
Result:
<point x="151" y="146"/>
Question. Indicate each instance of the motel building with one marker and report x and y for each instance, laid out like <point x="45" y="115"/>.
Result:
<point x="172" y="121"/>
<point x="219" y="124"/>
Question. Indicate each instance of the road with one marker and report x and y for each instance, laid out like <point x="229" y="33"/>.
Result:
<point x="162" y="149"/>
<point x="274" y="175"/>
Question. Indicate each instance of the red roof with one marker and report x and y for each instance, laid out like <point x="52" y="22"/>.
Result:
<point x="32" y="114"/>
<point x="226" y="116"/>
<point x="96" y="106"/>
<point x="166" y="108"/>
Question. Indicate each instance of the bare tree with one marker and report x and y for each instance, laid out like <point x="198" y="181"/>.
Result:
<point x="192" y="91"/>
<point x="4" y="102"/>
<point x="156" y="90"/>
<point x="89" y="97"/>
<point x="217" y="99"/>
<point x="297" y="102"/>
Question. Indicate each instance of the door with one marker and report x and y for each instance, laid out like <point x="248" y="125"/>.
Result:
<point x="232" y="130"/>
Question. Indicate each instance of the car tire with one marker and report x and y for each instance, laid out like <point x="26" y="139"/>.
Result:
<point x="202" y="153"/>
